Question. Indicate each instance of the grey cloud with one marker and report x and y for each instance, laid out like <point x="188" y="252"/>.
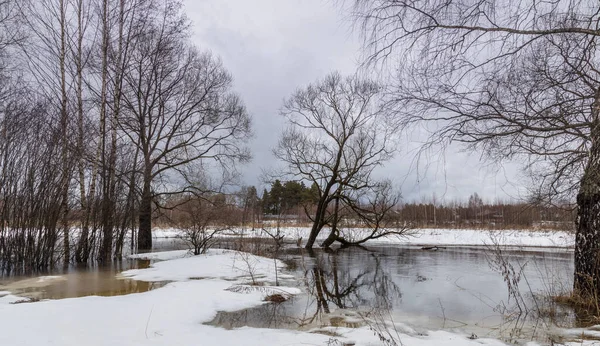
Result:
<point x="272" y="47"/>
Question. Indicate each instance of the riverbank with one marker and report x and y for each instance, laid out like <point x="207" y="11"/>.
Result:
<point x="417" y="237"/>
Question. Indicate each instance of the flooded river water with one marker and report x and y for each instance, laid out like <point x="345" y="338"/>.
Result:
<point x="81" y="281"/>
<point x="449" y="288"/>
<point x="454" y="288"/>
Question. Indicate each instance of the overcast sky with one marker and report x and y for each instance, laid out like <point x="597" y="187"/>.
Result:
<point x="272" y="47"/>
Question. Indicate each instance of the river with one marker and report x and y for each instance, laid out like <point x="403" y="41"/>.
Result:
<point x="451" y="288"/>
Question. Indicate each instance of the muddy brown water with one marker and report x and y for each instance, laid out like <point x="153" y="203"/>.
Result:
<point x="102" y="280"/>
<point x="80" y="281"/>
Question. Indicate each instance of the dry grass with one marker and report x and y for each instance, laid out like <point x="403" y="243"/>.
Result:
<point x="276" y="298"/>
<point x="586" y="307"/>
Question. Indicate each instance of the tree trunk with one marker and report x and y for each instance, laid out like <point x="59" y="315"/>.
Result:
<point x="64" y="134"/>
<point x="334" y="234"/>
<point x="587" y="240"/>
<point x="587" y="259"/>
<point x="112" y="160"/>
<point x="82" y="245"/>
<point x="317" y="225"/>
<point x="145" y="231"/>
<point x="330" y="239"/>
<point x="106" y="246"/>
<point x="107" y="230"/>
<point x="131" y="198"/>
<point x="320" y="214"/>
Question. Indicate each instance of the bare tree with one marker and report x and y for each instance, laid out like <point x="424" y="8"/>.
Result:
<point x="514" y="79"/>
<point x="11" y="28"/>
<point x="177" y="108"/>
<point x="367" y="208"/>
<point x="250" y="205"/>
<point x="48" y="56"/>
<point x="81" y="58"/>
<point x="33" y="178"/>
<point x="338" y="134"/>
<point x="109" y="109"/>
<point x="31" y="182"/>
<point x="204" y="218"/>
<point x="120" y="24"/>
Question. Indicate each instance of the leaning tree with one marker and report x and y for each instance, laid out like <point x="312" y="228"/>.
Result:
<point x="338" y="133"/>
<point x="511" y="78"/>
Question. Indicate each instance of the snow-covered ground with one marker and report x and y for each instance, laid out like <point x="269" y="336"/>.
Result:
<point x="428" y="236"/>
<point x="175" y="313"/>
<point x="162" y="256"/>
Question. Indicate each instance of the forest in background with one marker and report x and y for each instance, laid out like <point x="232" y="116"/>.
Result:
<point x="292" y="204"/>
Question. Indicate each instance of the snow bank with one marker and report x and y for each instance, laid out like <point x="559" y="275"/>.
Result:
<point x="166" y="233"/>
<point x="580" y="336"/>
<point x="175" y="313"/>
<point x="219" y="264"/>
<point x="523" y="238"/>
<point x="161" y="256"/>
<point x="421" y="237"/>
<point x="172" y="315"/>
<point x="7" y="298"/>
<point x="364" y="336"/>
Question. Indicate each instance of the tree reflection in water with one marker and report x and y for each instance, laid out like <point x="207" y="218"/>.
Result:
<point x="450" y="289"/>
<point x="334" y="284"/>
<point x="339" y="290"/>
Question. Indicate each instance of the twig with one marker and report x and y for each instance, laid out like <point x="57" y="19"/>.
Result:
<point x="443" y="312"/>
<point x="148" y="322"/>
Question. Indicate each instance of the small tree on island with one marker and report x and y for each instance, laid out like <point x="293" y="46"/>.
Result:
<point x="338" y="133"/>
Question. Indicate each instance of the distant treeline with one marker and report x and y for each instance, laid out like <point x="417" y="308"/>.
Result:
<point x="474" y="213"/>
<point x="292" y="203"/>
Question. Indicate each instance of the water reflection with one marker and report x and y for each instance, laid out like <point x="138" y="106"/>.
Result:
<point x="446" y="289"/>
<point x="333" y="281"/>
<point x="338" y="291"/>
<point x="85" y="280"/>
<point x="94" y="278"/>
<point x="80" y="282"/>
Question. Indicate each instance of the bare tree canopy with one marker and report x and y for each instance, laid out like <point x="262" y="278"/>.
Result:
<point x="179" y="108"/>
<point x="124" y="110"/>
<point x="338" y="134"/>
<point x="514" y="79"/>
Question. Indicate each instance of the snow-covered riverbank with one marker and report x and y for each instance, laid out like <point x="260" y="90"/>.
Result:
<point x="427" y="236"/>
